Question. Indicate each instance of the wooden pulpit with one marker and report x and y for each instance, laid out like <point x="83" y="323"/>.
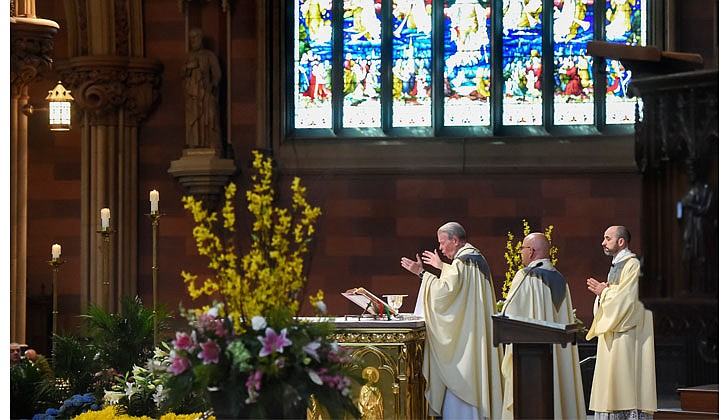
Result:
<point x="533" y="378"/>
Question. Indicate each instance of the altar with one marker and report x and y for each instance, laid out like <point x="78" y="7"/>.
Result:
<point x="388" y="354"/>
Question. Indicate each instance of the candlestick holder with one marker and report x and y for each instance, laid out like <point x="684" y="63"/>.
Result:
<point x="106" y="233"/>
<point x="55" y="264"/>
<point x="154" y="217"/>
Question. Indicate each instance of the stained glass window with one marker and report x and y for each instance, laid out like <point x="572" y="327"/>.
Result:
<point x="573" y="28"/>
<point x="411" y="63"/>
<point x="466" y="27"/>
<point x="522" y="63"/>
<point x="362" y="64"/>
<point x="625" y="24"/>
<point x="313" y="58"/>
<point x="439" y="66"/>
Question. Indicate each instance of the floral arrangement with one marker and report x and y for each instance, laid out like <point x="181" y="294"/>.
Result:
<point x="271" y="273"/>
<point x="270" y="371"/>
<point x="248" y="353"/>
<point x="514" y="260"/>
<point x="141" y="392"/>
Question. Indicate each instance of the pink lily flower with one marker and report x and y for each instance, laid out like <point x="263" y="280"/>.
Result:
<point x="183" y="341"/>
<point x="273" y="342"/>
<point x="179" y="365"/>
<point x="210" y="352"/>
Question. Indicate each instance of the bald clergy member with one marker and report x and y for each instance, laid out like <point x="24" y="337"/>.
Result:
<point x="461" y="365"/>
<point x="540" y="292"/>
<point x="624" y="376"/>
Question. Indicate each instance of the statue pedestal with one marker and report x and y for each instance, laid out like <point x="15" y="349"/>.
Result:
<point x="203" y="173"/>
<point x="395" y="349"/>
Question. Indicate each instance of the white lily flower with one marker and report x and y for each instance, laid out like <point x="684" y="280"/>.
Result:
<point x="112" y="397"/>
<point x="130" y="390"/>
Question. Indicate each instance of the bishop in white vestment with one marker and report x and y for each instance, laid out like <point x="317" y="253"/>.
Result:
<point x="461" y="365"/>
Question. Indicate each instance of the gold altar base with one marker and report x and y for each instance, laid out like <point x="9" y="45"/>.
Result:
<point x="394" y="350"/>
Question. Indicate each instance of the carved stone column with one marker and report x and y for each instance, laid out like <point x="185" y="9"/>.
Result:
<point x="114" y="94"/>
<point x="31" y="46"/>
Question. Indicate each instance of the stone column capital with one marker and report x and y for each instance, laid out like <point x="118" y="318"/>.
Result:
<point x="102" y="85"/>
<point x="31" y="48"/>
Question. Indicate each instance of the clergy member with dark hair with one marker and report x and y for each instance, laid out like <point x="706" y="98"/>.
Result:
<point x="624" y="375"/>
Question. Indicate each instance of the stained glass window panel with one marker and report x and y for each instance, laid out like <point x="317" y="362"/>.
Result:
<point x="312" y="64"/>
<point x="467" y="62"/>
<point x="362" y="63"/>
<point x="522" y="52"/>
<point x="573" y="69"/>
<point x="411" y="63"/>
<point x="626" y="24"/>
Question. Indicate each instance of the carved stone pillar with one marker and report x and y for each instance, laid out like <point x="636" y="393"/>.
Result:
<point x="31" y="46"/>
<point x="114" y="94"/>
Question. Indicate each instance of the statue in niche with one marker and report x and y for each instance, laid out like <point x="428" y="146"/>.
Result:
<point x="371" y="406"/>
<point x="696" y="204"/>
<point x="201" y="73"/>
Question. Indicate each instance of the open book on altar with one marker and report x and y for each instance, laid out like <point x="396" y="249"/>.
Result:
<point x="369" y="302"/>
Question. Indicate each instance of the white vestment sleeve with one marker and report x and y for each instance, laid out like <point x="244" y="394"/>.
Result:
<point x="419" y="305"/>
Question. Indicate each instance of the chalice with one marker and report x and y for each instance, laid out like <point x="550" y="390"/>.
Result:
<point x="395" y="301"/>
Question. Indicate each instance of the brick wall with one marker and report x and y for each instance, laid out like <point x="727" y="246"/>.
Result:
<point x="369" y="220"/>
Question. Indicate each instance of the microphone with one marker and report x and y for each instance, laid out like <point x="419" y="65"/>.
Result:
<point x="540" y="263"/>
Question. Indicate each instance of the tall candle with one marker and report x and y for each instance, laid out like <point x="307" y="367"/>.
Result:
<point x="154" y="200"/>
<point x="55" y="251"/>
<point x="105" y="216"/>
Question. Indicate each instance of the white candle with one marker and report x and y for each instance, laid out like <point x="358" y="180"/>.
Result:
<point x="154" y="199"/>
<point x="105" y="216"/>
<point x="55" y="251"/>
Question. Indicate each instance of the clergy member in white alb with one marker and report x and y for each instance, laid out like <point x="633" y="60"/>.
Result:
<point x="540" y="292"/>
<point x="461" y="365"/>
<point x="624" y="376"/>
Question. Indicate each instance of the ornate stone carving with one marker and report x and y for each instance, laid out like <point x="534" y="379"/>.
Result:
<point x="679" y="134"/>
<point x="679" y="121"/>
<point x="143" y="83"/>
<point x="121" y="27"/>
<point x="103" y="84"/>
<point x="31" y="47"/>
<point x="203" y="174"/>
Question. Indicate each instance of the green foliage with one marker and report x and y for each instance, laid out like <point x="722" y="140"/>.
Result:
<point x="31" y="391"/>
<point x="125" y="339"/>
<point x="76" y="363"/>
